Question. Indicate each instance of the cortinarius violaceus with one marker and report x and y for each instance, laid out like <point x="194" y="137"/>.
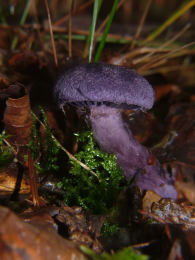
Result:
<point x="107" y="90"/>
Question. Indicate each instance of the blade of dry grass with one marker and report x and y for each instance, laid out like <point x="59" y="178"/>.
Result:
<point x="141" y="23"/>
<point x="163" y="46"/>
<point x="183" y="9"/>
<point x="22" y="21"/>
<point x="160" y="58"/>
<point x="37" y="201"/>
<point x="70" y="30"/>
<point x="167" y="69"/>
<point x="51" y="33"/>
<point x="75" y="11"/>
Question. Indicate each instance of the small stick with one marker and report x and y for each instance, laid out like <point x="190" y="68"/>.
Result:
<point x="142" y="245"/>
<point x="72" y="157"/>
<point x="37" y="202"/>
<point x="152" y="215"/>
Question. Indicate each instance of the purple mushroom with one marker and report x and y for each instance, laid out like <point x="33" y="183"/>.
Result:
<point x="107" y="90"/>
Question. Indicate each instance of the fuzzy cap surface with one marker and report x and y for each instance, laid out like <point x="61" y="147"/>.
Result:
<point x="101" y="83"/>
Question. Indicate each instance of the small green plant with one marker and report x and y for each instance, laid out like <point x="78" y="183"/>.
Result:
<point x="125" y="254"/>
<point x="95" y="193"/>
<point x="5" y="153"/>
<point x="109" y="229"/>
<point x="44" y="153"/>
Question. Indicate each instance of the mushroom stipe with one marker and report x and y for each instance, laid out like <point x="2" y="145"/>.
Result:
<point x="106" y="90"/>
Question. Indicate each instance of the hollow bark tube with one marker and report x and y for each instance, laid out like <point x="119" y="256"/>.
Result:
<point x="114" y="136"/>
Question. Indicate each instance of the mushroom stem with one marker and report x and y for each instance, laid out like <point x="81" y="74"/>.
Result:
<point x="114" y="136"/>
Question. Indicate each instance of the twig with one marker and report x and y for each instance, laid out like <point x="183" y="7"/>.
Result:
<point x="72" y="157"/>
<point x="143" y="245"/>
<point x="152" y="215"/>
<point x="51" y="33"/>
<point x="13" y="150"/>
<point x="37" y="202"/>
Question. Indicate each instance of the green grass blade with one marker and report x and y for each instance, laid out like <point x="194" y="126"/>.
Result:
<point x="101" y="45"/>
<point x="2" y="16"/>
<point x="22" y="21"/>
<point x="184" y="8"/>
<point x="96" y="8"/>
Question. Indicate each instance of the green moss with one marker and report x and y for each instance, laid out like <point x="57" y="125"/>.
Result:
<point x="94" y="193"/>
<point x="109" y="229"/>
<point x="45" y="154"/>
<point x="6" y="154"/>
<point x="97" y="194"/>
<point x="125" y="254"/>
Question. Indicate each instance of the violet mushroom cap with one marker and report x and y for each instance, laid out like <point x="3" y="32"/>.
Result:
<point x="87" y="84"/>
<point x="107" y="89"/>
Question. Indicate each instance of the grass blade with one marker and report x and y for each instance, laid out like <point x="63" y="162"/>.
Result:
<point x="102" y="43"/>
<point x="22" y="21"/>
<point x="184" y="8"/>
<point x="96" y="8"/>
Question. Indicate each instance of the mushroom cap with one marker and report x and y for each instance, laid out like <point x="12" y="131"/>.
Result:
<point x="101" y="83"/>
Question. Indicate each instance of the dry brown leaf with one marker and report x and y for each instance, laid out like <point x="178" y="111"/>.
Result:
<point x="20" y="241"/>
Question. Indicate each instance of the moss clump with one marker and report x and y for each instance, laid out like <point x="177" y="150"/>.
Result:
<point x="97" y="194"/>
<point x="125" y="254"/>
<point x="45" y="152"/>
<point x="109" y="229"/>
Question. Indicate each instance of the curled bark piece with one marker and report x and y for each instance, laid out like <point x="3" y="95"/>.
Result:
<point x="18" y="120"/>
